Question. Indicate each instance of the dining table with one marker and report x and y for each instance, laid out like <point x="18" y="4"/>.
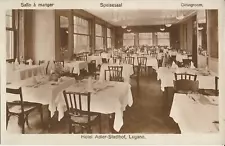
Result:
<point x="98" y="59"/>
<point x="40" y="89"/>
<point x="107" y="97"/>
<point x="196" y="113"/>
<point x="167" y="76"/>
<point x="76" y="66"/>
<point x="22" y="71"/>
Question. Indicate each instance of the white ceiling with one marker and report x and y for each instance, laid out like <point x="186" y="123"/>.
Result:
<point x="137" y="17"/>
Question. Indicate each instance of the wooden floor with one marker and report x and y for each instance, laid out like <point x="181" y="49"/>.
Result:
<point x="145" y="116"/>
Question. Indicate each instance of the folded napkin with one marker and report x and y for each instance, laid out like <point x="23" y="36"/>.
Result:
<point x="192" y="65"/>
<point x="110" y="61"/>
<point x="16" y="61"/>
<point x="30" y="61"/>
<point x="174" y="65"/>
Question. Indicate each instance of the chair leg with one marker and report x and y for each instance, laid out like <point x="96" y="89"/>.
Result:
<point x="23" y="125"/>
<point x="41" y="114"/>
<point x="7" y="121"/>
<point x="100" y="123"/>
<point x="27" y="122"/>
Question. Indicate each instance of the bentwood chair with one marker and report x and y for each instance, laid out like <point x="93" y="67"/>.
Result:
<point x="93" y="70"/>
<point x="42" y="62"/>
<point x="115" y="73"/>
<point x="10" y="60"/>
<point x="59" y="63"/>
<point x="129" y="60"/>
<point x="185" y="83"/>
<point x="21" y="108"/>
<point x="79" y="112"/>
<point x="142" y="61"/>
<point x="82" y="58"/>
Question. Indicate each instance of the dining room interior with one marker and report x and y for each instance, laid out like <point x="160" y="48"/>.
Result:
<point x="116" y="71"/>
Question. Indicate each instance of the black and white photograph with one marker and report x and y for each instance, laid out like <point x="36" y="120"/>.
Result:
<point x="111" y="73"/>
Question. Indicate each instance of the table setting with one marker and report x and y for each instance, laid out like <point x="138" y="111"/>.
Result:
<point x="196" y="113"/>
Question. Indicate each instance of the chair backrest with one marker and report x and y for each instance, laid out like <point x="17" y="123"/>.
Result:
<point x="129" y="60"/>
<point x="92" y="66"/>
<point x="142" y="61"/>
<point x="115" y="59"/>
<point x="186" y="62"/>
<point x="82" y="58"/>
<point x="15" y="92"/>
<point x="78" y="103"/>
<point x="115" y="73"/>
<point x="185" y="86"/>
<point x="185" y="76"/>
<point x="10" y="60"/>
<point x="59" y="63"/>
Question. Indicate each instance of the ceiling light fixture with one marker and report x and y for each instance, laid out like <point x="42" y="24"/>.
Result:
<point x="180" y="17"/>
<point x="129" y="30"/>
<point x="162" y="29"/>
<point x="168" y="25"/>
<point x="124" y="26"/>
<point x="200" y="28"/>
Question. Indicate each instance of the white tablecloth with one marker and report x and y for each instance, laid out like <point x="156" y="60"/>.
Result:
<point x="127" y="71"/>
<point x="105" y="55"/>
<point x="113" y="99"/>
<point x="98" y="59"/>
<point x="77" y="65"/>
<point x="167" y="77"/>
<point x="193" y="116"/>
<point x="22" y="72"/>
<point x="180" y="57"/>
<point x="45" y="93"/>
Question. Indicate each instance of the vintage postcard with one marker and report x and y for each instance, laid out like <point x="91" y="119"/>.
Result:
<point x="112" y="72"/>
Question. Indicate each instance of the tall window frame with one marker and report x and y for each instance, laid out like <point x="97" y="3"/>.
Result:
<point x="128" y="39"/>
<point x="81" y="35"/>
<point x="10" y="34"/>
<point x="145" y="38"/>
<point x="109" y="38"/>
<point x="163" y="38"/>
<point x="99" y="37"/>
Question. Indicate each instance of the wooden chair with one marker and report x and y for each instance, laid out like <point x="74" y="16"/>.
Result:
<point x="21" y="108"/>
<point x="186" y="62"/>
<point x="79" y="112"/>
<point x="185" y="76"/>
<point x="142" y="61"/>
<point x="59" y="62"/>
<point x="82" y="58"/>
<point x="129" y="60"/>
<point x="10" y="60"/>
<point x="136" y="75"/>
<point x="93" y="70"/>
<point x="186" y="86"/>
<point x="185" y="83"/>
<point x="115" y="59"/>
<point x="42" y="62"/>
<point x="115" y="73"/>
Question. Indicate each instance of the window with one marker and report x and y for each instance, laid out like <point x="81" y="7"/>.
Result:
<point x="128" y="39"/>
<point x="99" y="37"/>
<point x="145" y="39"/>
<point x="109" y="38"/>
<point x="81" y="35"/>
<point x="163" y="38"/>
<point x="10" y="31"/>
